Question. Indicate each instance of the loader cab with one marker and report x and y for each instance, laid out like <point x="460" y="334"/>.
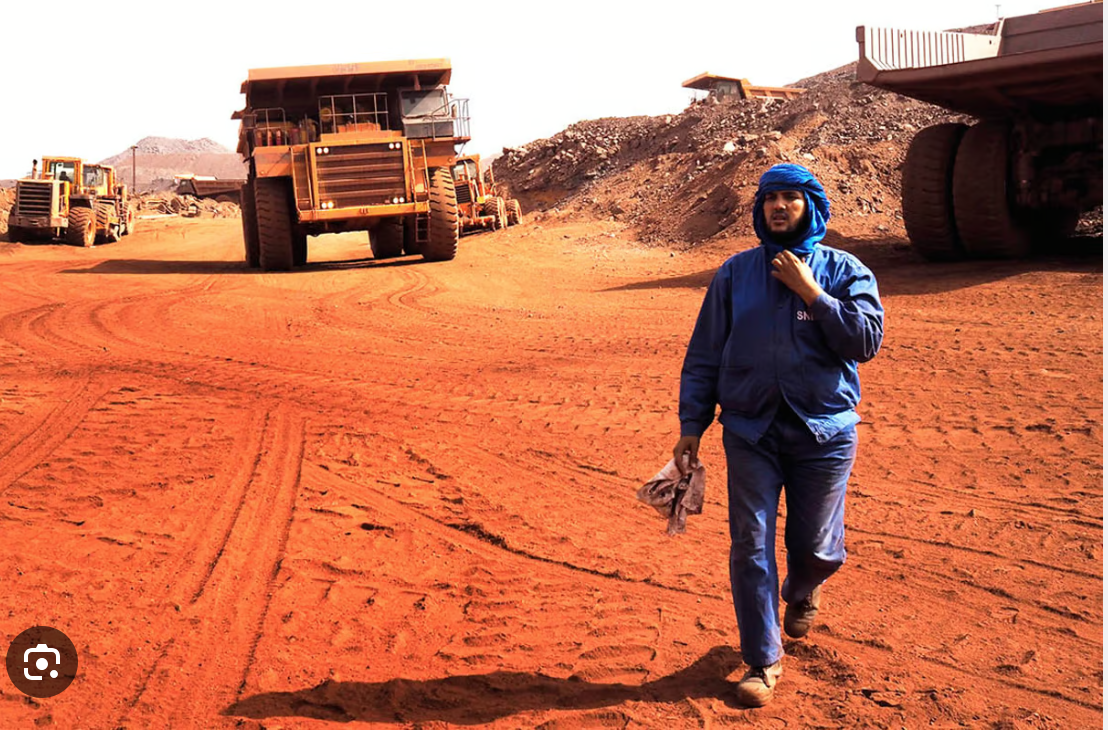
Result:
<point x="62" y="169"/>
<point x="467" y="181"/>
<point x="96" y="180"/>
<point x="465" y="170"/>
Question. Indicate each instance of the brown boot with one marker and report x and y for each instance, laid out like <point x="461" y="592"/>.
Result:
<point x="756" y="687"/>
<point x="800" y="616"/>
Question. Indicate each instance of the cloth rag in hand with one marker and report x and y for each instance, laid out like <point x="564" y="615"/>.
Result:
<point x="675" y="495"/>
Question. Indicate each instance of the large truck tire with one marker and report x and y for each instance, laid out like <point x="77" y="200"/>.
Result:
<point x="927" y="192"/>
<point x="442" y="240"/>
<point x="411" y="246"/>
<point x="106" y="231"/>
<point x="17" y="234"/>
<point x="494" y="208"/>
<point x="81" y="230"/>
<point x="387" y="240"/>
<point x="299" y="248"/>
<point x="987" y="222"/>
<point x="251" y="252"/>
<point x="515" y="212"/>
<point x="275" y="235"/>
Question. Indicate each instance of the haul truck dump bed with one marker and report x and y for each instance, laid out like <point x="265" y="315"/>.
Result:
<point x="1021" y="176"/>
<point x="344" y="147"/>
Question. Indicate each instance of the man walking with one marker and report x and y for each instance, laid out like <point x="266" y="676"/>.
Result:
<point x="777" y="344"/>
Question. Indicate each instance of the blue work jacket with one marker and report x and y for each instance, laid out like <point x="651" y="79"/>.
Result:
<point x="756" y="343"/>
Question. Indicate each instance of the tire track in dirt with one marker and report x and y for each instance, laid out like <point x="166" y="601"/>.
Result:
<point x="213" y="648"/>
<point x="335" y="309"/>
<point x="533" y="523"/>
<point x="975" y="551"/>
<point x="964" y="501"/>
<point x="49" y="329"/>
<point x="493" y="578"/>
<point x="165" y="582"/>
<point x="1023" y="636"/>
<point x="34" y="446"/>
<point x="214" y="517"/>
<point x="975" y="673"/>
<point x="417" y="286"/>
<point x="476" y="532"/>
<point x="948" y="573"/>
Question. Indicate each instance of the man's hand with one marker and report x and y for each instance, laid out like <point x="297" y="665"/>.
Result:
<point x="690" y="445"/>
<point x="797" y="276"/>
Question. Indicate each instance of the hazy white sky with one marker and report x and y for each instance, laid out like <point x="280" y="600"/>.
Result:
<point x="91" y="78"/>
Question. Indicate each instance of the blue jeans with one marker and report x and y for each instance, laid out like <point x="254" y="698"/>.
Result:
<point x="814" y="476"/>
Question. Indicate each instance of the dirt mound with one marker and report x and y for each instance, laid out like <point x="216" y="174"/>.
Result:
<point x="187" y="206"/>
<point x="691" y="176"/>
<point x="7" y="198"/>
<point x="158" y="160"/>
<point x="156" y="145"/>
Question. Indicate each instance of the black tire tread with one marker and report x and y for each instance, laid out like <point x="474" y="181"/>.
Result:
<point x="251" y="252"/>
<point x="388" y="240"/>
<point x="515" y="212"/>
<point x="104" y="233"/>
<point x="986" y="222"/>
<point x="78" y="231"/>
<point x="494" y="208"/>
<point x="410" y="245"/>
<point x="927" y="192"/>
<point x="442" y="240"/>
<point x="299" y="249"/>
<point x="275" y="236"/>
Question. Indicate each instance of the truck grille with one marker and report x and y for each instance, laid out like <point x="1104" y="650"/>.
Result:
<point x="361" y="175"/>
<point x="32" y="198"/>
<point x="462" y="192"/>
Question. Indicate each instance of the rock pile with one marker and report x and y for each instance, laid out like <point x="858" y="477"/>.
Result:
<point x="691" y="176"/>
<point x="7" y="198"/>
<point x="187" y="206"/>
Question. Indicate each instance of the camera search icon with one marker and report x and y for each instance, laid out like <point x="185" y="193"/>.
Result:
<point x="41" y="662"/>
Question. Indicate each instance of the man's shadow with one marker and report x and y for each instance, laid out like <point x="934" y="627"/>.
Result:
<point x="467" y="700"/>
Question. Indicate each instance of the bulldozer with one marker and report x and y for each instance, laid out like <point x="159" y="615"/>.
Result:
<point x="350" y="147"/>
<point x="480" y="206"/>
<point x="80" y="203"/>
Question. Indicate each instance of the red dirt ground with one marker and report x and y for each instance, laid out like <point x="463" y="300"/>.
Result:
<point x="401" y="494"/>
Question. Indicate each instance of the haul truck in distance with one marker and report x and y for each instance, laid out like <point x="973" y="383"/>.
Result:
<point x="1024" y="173"/>
<point x="349" y="147"/>
<point x="82" y="203"/>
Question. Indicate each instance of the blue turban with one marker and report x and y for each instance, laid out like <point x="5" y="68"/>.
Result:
<point x="791" y="177"/>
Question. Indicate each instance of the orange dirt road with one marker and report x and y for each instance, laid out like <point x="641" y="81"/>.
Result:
<point x="401" y="494"/>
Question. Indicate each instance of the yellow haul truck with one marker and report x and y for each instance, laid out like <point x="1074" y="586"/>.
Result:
<point x="69" y="199"/>
<point x="348" y="147"/>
